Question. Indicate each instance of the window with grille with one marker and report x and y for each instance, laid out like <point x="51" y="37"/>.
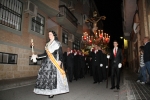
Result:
<point x="8" y="58"/>
<point x="38" y="24"/>
<point x="76" y="45"/>
<point x="65" y="38"/>
<point x="11" y="13"/>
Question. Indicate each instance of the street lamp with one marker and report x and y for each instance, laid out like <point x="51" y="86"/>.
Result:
<point x="121" y="37"/>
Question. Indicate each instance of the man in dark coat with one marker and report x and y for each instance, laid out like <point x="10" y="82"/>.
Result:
<point x="96" y="61"/>
<point x="70" y="63"/>
<point x="105" y="63"/>
<point x="147" y="55"/>
<point x="65" y="61"/>
<point x="82" y="71"/>
<point x="75" y="65"/>
<point x="116" y="64"/>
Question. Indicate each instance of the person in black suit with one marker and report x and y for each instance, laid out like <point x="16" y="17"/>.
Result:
<point x="116" y="64"/>
<point x="70" y="63"/>
<point x="100" y="68"/>
<point x="82" y="71"/>
<point x="79" y="64"/>
<point x="105" y="63"/>
<point x="147" y="55"/>
<point x="76" y="65"/>
<point x="96" y="61"/>
<point x="65" y="59"/>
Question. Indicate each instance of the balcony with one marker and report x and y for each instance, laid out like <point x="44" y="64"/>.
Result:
<point x="47" y="7"/>
<point x="129" y="8"/>
<point x="66" y="19"/>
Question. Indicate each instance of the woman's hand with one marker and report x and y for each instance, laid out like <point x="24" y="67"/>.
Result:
<point x="33" y="57"/>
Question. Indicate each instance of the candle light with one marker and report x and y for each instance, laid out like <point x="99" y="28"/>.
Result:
<point x="99" y="31"/>
<point x="31" y="40"/>
<point x="32" y="46"/>
<point x="105" y="35"/>
<point x="99" y="37"/>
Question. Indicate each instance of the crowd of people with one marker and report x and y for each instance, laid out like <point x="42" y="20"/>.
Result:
<point x="77" y="64"/>
<point x="96" y="63"/>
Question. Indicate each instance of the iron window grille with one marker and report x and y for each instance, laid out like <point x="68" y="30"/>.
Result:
<point x="8" y="58"/>
<point x="38" y="24"/>
<point x="65" y="38"/>
<point x="76" y="45"/>
<point x="11" y="13"/>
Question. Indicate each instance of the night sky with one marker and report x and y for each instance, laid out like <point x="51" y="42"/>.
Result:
<point x="113" y="23"/>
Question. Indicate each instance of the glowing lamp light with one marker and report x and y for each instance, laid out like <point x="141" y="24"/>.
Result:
<point x="101" y="36"/>
<point x="98" y="38"/>
<point x="90" y="41"/>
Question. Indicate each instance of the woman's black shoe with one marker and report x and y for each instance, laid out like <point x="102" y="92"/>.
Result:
<point x="51" y="96"/>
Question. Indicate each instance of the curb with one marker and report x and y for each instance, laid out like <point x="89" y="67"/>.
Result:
<point x="15" y="83"/>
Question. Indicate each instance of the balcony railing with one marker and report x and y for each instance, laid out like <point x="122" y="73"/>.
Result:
<point x="66" y="12"/>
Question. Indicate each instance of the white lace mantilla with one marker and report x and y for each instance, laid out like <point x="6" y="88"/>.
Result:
<point x="52" y="46"/>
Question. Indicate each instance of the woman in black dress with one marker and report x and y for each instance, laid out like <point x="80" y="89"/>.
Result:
<point x="51" y="78"/>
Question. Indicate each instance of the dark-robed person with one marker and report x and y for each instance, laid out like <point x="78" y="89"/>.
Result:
<point x="146" y="56"/>
<point x="105" y="64"/>
<point x="96" y="61"/>
<point x="82" y="71"/>
<point x="65" y="61"/>
<point x="87" y="65"/>
<point x="77" y="64"/>
<point x="70" y="63"/>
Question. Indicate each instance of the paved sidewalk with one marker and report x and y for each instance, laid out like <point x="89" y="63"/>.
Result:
<point x="135" y="90"/>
